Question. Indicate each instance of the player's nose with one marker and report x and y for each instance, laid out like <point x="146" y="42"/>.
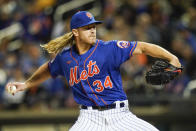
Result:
<point x="93" y="30"/>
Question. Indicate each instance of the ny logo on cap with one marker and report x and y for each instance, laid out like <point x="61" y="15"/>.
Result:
<point x="89" y="15"/>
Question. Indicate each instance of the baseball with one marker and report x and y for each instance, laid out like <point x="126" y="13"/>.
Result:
<point x="12" y="89"/>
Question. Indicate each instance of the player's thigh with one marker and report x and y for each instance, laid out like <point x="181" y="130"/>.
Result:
<point x="78" y="124"/>
<point x="129" y="122"/>
<point x="83" y="124"/>
<point x="139" y="123"/>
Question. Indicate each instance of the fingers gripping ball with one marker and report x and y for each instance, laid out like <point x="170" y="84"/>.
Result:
<point x="162" y="72"/>
<point x="12" y="89"/>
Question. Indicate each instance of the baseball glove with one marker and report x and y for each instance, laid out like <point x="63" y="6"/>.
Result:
<point x="162" y="72"/>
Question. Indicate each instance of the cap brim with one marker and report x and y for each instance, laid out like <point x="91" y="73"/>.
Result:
<point x="98" y="22"/>
<point x="91" y="22"/>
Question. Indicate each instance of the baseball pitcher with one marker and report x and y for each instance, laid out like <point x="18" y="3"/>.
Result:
<point x="92" y="69"/>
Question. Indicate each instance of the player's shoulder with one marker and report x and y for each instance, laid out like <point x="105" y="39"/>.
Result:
<point x="107" y="43"/>
<point x="65" y="50"/>
<point x="118" y="43"/>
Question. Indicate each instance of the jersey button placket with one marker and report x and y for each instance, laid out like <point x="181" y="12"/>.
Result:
<point x="80" y="63"/>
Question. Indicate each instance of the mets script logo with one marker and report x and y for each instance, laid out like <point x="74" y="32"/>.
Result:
<point x="123" y="44"/>
<point x="89" y="15"/>
<point x="92" y="69"/>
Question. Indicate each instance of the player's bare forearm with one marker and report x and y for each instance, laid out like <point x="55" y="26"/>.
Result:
<point x="40" y="75"/>
<point x="156" y="51"/>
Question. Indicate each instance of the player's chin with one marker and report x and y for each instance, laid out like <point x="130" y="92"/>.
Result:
<point x="92" y="40"/>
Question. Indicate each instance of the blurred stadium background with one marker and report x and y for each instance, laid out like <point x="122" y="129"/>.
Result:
<point x="25" y="24"/>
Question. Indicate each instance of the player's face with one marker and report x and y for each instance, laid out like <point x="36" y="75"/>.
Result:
<point x="87" y="34"/>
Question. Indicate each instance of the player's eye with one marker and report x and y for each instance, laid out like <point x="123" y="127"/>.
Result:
<point x="87" y="28"/>
<point x="90" y="27"/>
<point x="94" y="27"/>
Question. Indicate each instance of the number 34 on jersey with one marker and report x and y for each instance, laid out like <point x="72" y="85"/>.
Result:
<point x="92" y="70"/>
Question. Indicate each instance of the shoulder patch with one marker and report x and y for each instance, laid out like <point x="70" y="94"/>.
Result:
<point x="123" y="44"/>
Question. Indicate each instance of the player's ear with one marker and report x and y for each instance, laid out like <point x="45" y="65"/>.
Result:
<point x="75" y="32"/>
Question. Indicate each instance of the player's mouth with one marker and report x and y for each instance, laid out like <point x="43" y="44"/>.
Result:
<point x="92" y="37"/>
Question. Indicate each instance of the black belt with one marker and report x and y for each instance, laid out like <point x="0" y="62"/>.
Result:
<point x="101" y="108"/>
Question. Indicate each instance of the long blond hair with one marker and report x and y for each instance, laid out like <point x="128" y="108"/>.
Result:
<point x="55" y="46"/>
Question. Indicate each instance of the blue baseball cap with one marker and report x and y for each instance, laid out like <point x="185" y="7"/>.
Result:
<point x="82" y="18"/>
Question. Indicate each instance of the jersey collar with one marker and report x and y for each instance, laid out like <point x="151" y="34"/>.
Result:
<point x="74" y="51"/>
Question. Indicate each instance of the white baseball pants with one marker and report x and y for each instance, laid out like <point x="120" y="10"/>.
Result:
<point x="118" y="119"/>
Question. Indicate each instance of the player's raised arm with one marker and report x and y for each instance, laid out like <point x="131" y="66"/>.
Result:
<point x="40" y="75"/>
<point x="156" y="51"/>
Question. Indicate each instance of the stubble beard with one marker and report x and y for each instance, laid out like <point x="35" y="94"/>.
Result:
<point x="92" y="40"/>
